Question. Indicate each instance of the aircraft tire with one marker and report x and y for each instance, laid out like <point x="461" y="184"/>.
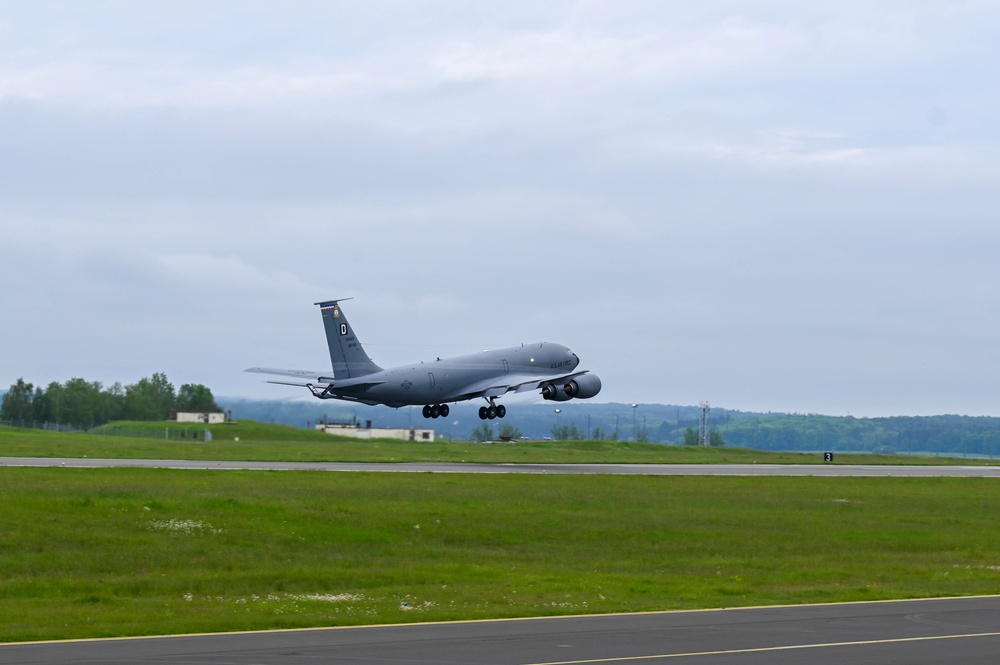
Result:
<point x="501" y="410"/>
<point x="427" y="411"/>
<point x="435" y="411"/>
<point x="483" y="413"/>
<point x="491" y="412"/>
<point x="445" y="410"/>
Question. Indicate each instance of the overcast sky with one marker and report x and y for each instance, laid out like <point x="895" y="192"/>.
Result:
<point x="776" y="206"/>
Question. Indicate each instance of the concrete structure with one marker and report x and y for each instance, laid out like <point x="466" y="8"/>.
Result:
<point x="356" y="431"/>
<point x="206" y="418"/>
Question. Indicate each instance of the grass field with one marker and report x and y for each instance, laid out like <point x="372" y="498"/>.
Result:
<point x="101" y="552"/>
<point x="260" y="442"/>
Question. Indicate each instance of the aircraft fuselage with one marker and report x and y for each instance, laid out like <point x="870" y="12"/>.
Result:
<point x="449" y="379"/>
<point x="354" y="376"/>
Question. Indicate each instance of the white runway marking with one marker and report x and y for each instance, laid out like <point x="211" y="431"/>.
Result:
<point x="765" y="649"/>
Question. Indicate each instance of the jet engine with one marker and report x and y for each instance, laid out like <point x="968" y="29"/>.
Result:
<point x="583" y="386"/>
<point x="555" y="393"/>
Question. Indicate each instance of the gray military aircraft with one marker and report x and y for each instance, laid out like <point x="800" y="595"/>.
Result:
<point x="550" y="368"/>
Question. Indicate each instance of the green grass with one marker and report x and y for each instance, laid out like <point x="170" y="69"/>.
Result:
<point x="260" y="442"/>
<point x="104" y="552"/>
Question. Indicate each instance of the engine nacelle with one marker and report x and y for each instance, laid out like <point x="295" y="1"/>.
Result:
<point x="583" y="386"/>
<point x="555" y="393"/>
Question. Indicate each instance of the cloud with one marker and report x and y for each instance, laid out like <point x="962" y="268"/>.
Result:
<point x="582" y="53"/>
<point x="721" y="198"/>
<point x="228" y="273"/>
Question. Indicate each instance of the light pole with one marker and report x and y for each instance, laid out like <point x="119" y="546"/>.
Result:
<point x="635" y="432"/>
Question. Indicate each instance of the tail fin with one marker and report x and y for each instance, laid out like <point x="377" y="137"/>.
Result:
<point x="348" y="357"/>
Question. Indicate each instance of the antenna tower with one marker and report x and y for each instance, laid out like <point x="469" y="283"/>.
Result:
<point x="703" y="438"/>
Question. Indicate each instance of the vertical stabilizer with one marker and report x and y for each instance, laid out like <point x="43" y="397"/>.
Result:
<point x="346" y="353"/>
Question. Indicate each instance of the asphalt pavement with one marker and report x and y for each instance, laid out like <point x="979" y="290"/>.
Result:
<point x="958" y="631"/>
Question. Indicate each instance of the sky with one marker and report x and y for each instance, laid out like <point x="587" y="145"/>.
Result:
<point x="772" y="206"/>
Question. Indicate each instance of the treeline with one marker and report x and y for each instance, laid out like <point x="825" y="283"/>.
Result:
<point x="951" y="435"/>
<point x="88" y="404"/>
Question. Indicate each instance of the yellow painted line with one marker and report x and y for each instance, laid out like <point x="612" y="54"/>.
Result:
<point x="766" y="649"/>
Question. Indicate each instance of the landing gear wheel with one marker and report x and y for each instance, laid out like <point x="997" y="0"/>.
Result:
<point x="427" y="411"/>
<point x="435" y="411"/>
<point x="445" y="410"/>
<point x="483" y="413"/>
<point x="501" y="410"/>
<point x="491" y="412"/>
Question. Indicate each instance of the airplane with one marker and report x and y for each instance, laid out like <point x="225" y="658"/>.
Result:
<point x="544" y="366"/>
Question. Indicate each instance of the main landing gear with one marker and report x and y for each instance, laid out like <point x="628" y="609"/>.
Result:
<point x="492" y="411"/>
<point x="436" y="411"/>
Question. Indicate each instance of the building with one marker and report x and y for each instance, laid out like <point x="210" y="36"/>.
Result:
<point x="355" y="430"/>
<point x="206" y="418"/>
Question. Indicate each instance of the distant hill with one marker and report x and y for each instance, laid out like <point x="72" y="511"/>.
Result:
<point x="934" y="435"/>
<point x="659" y="423"/>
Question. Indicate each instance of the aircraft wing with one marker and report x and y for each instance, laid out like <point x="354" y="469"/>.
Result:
<point x="534" y="383"/>
<point x="497" y="386"/>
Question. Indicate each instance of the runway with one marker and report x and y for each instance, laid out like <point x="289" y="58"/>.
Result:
<point x="961" y="631"/>
<point x="836" y="470"/>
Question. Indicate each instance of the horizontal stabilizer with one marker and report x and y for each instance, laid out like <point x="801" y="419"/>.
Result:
<point x="304" y="374"/>
<point x="308" y="379"/>
<point x="289" y="383"/>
